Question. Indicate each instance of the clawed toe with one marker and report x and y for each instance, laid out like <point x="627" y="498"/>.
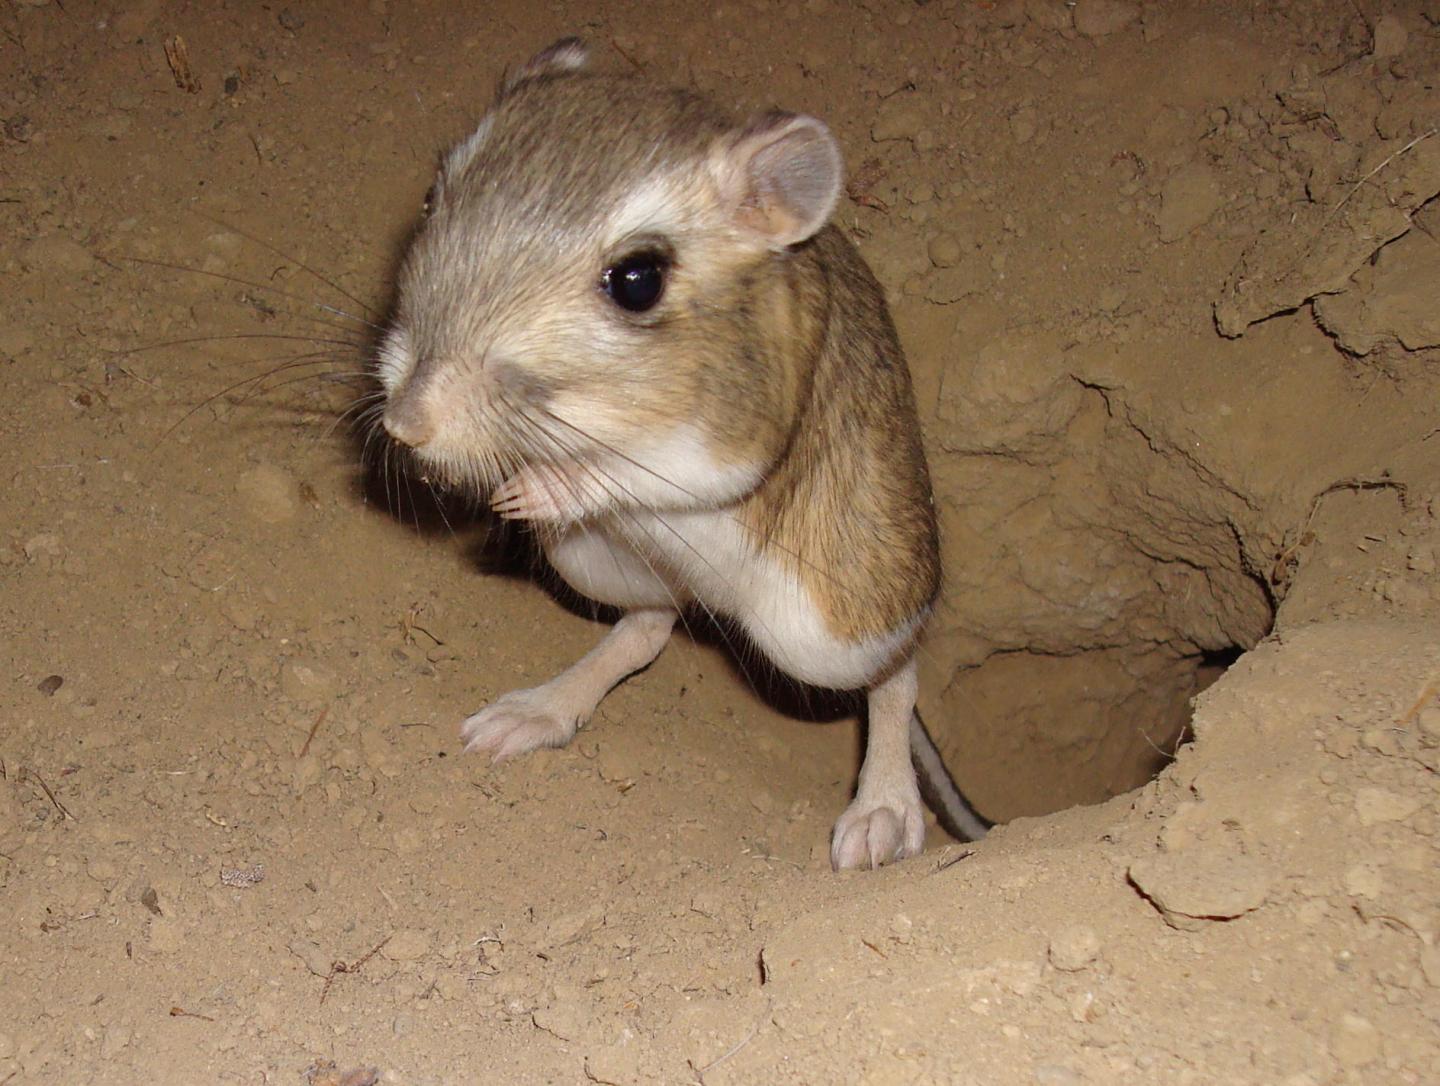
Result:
<point x="870" y="834"/>
<point x="516" y="724"/>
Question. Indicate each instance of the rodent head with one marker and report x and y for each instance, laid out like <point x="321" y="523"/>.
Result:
<point x="602" y="268"/>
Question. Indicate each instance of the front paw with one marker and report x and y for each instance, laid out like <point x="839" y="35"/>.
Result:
<point x="877" y="831"/>
<point x="517" y="723"/>
<point x="543" y="492"/>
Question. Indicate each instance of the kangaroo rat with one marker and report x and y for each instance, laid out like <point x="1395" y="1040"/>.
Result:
<point x="625" y="317"/>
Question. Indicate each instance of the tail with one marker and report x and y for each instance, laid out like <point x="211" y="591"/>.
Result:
<point x="952" y="809"/>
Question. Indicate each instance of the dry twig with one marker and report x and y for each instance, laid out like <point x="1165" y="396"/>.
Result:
<point x="1383" y="163"/>
<point x="1431" y="688"/>
<point x="700" y="1072"/>
<point x="65" y="811"/>
<point x="337" y="967"/>
<point x="305" y="748"/>
<point x="181" y="1012"/>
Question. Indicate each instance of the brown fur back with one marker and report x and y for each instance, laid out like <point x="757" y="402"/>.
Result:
<point x="848" y="506"/>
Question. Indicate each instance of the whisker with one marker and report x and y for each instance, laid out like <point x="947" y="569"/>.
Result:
<point x="358" y="345"/>
<point x="323" y="377"/>
<point x="821" y="571"/>
<point x="336" y="287"/>
<point x="440" y="509"/>
<point x="626" y="520"/>
<point x="355" y="413"/>
<point x="742" y="653"/>
<point x="309" y="359"/>
<point x="240" y="281"/>
<point x="389" y="451"/>
<point x="617" y="453"/>
<point x="374" y="433"/>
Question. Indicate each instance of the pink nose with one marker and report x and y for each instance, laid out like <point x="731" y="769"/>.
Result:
<point x="407" y="424"/>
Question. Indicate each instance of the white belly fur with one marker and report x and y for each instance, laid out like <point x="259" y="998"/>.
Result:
<point x="646" y="559"/>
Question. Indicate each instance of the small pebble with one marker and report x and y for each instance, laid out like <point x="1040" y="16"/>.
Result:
<point x="1074" y="948"/>
<point x="1363" y="880"/>
<point x="19" y="128"/>
<point x="944" y="250"/>
<point x="269" y="494"/>
<point x="1389" y="37"/>
<point x="1052" y="1074"/>
<point x="1380" y="741"/>
<point x="57" y="254"/>
<point x="406" y="945"/>
<point x="1098" y="18"/>
<point x="1355" y="1042"/>
<point x="242" y="878"/>
<point x="116" y="1039"/>
<point x="1188" y="199"/>
<point x="49" y="684"/>
<point x="101" y="869"/>
<point x="315" y="958"/>
<point x="1024" y="123"/>
<point x="1374" y="805"/>
<point x="898" y="118"/>
<point x="901" y="927"/>
<point x="1083" y="1007"/>
<point x="42" y="545"/>
<point x="1429" y="722"/>
<point x="1192" y="891"/>
<point x="306" y="681"/>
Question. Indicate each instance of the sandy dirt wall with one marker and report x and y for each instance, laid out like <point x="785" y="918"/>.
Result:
<point x="1165" y="273"/>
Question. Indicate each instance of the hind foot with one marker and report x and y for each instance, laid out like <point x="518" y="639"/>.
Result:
<point x="875" y="831"/>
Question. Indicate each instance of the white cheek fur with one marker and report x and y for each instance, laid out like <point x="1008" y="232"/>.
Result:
<point x="393" y="358"/>
<point x="678" y="471"/>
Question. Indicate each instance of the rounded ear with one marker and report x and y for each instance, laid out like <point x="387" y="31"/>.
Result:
<point x="780" y="176"/>
<point x="566" y="55"/>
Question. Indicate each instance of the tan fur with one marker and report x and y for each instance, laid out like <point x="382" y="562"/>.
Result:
<point x="786" y="358"/>
<point x="744" y="439"/>
<point x="848" y="506"/>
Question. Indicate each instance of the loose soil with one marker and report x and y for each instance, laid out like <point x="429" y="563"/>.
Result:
<point x="1168" y="277"/>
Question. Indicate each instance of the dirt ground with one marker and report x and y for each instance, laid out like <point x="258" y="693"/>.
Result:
<point x="1168" y="277"/>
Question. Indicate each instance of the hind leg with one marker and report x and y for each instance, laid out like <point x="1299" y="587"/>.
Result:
<point x="549" y="715"/>
<point x="886" y="820"/>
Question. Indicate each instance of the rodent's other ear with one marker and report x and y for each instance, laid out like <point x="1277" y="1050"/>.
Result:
<point x="782" y="175"/>
<point x="566" y="55"/>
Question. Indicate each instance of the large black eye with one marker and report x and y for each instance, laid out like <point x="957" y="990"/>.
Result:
<point x="636" y="282"/>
